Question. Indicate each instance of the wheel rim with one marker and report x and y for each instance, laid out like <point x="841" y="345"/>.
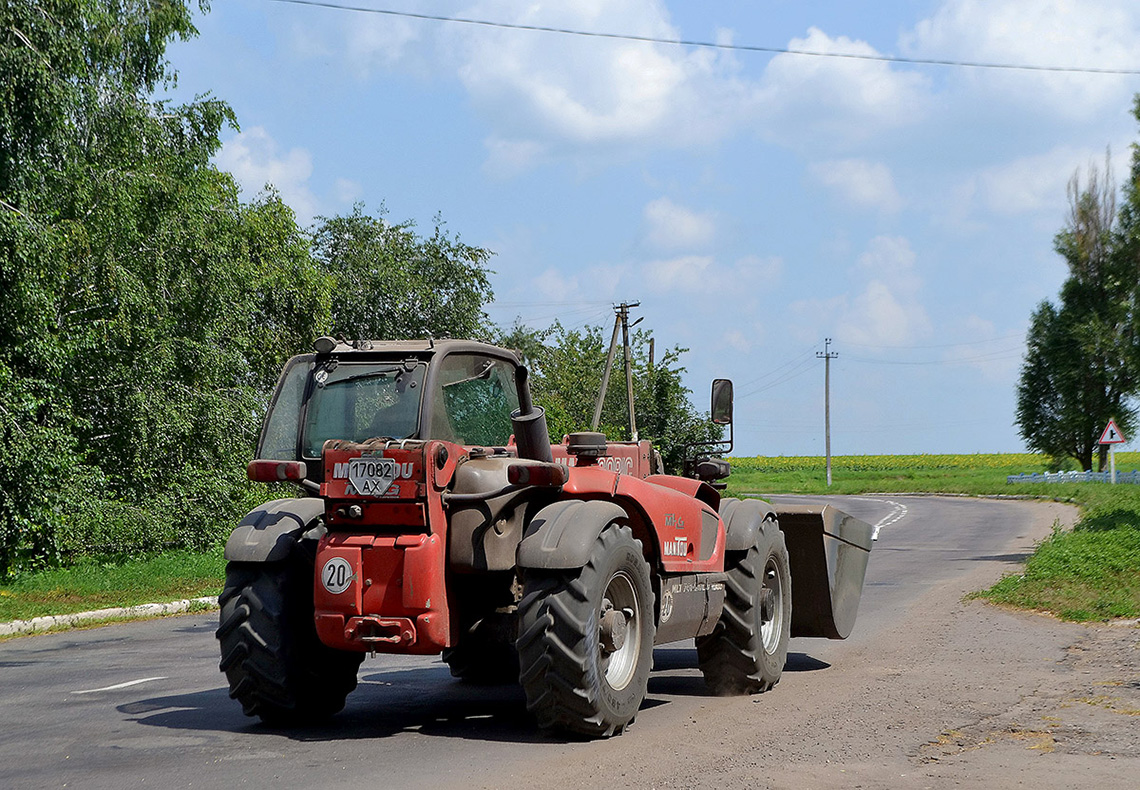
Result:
<point x="620" y="611"/>
<point x="772" y="608"/>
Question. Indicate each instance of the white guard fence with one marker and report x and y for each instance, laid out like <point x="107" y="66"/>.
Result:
<point x="1132" y="477"/>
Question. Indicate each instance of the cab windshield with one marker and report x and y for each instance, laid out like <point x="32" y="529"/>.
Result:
<point x="359" y="401"/>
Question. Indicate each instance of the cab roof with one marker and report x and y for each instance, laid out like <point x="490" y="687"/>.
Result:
<point x="406" y="348"/>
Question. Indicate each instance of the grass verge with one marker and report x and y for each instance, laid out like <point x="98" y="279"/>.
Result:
<point x="1091" y="573"/>
<point x="97" y="585"/>
<point x="1081" y="575"/>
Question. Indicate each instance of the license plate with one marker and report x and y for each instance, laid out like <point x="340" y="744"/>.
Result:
<point x="371" y="476"/>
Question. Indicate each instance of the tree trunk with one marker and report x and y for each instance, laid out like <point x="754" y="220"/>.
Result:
<point x="1084" y="458"/>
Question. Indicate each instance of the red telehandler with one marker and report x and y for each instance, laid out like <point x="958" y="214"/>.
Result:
<point x="439" y="519"/>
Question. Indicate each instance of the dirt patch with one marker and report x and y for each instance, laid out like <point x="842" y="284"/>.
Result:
<point x="1090" y="707"/>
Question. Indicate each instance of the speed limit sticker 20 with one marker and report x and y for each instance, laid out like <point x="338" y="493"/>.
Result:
<point x="337" y="575"/>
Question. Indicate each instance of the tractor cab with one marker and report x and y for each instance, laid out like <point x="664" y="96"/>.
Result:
<point x="454" y="390"/>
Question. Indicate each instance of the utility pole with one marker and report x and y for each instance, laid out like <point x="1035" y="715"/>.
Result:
<point x="606" y="376"/>
<point x="623" y="314"/>
<point x="621" y="322"/>
<point x="827" y="355"/>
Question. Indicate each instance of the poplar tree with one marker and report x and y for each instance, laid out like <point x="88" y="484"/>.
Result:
<point x="1080" y="368"/>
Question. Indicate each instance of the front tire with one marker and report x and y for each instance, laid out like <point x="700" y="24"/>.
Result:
<point x="747" y="650"/>
<point x="586" y="639"/>
<point x="276" y="665"/>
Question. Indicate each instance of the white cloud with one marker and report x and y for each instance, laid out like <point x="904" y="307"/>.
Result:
<point x="348" y="191"/>
<point x="859" y="183"/>
<point x="1038" y="182"/>
<point x="889" y="257"/>
<point x="884" y="307"/>
<point x="366" y="43"/>
<point x="883" y="315"/>
<point x="553" y="285"/>
<point x="672" y="226"/>
<point x="507" y="158"/>
<point x="590" y="284"/>
<point x="378" y="41"/>
<point x="752" y="270"/>
<point x="689" y="273"/>
<point x="735" y="339"/>
<point x="256" y="161"/>
<point x="687" y="276"/>
<point x="546" y="95"/>
<point x="888" y="310"/>
<point x="996" y="356"/>
<point x="571" y="93"/>
<point x="836" y="102"/>
<point x="1099" y="34"/>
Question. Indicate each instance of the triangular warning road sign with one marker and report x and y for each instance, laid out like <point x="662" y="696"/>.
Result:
<point x="1112" y="434"/>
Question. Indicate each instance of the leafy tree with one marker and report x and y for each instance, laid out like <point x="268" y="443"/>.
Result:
<point x="390" y="283"/>
<point x="1080" y="367"/>
<point x="144" y="310"/>
<point x="566" y="376"/>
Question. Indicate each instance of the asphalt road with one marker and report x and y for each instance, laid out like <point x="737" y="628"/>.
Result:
<point x="929" y="691"/>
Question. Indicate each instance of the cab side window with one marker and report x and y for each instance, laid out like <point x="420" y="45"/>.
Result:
<point x="474" y="399"/>
<point x="281" y="426"/>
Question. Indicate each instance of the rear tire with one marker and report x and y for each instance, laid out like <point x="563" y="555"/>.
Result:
<point x="747" y="650"/>
<point x="276" y="665"/>
<point x="586" y="639"/>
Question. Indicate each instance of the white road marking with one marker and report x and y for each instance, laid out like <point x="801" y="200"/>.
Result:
<point x="118" y="686"/>
<point x="895" y="515"/>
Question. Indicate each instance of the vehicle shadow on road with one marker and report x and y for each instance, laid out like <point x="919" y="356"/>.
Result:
<point x="423" y="700"/>
<point x="676" y="671"/>
<point x="1019" y="557"/>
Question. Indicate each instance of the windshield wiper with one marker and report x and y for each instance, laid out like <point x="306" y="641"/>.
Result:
<point x="485" y="373"/>
<point x="383" y="372"/>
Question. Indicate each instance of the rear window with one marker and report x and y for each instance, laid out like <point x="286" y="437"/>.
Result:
<point x="362" y="401"/>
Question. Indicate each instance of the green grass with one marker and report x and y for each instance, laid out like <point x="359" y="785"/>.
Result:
<point x="1087" y="574"/>
<point x="91" y="585"/>
<point x="1081" y="575"/>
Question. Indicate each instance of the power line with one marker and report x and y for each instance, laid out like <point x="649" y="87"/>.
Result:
<point x="800" y="369"/>
<point x="796" y="360"/>
<point x="972" y="64"/>
<point x="606" y="302"/>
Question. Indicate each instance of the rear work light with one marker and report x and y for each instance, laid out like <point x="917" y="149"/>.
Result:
<point x="537" y="474"/>
<point x="276" y="471"/>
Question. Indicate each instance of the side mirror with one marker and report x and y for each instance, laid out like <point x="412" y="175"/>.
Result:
<point x="722" y="401"/>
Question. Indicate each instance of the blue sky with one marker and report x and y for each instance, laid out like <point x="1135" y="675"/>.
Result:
<point x="753" y="203"/>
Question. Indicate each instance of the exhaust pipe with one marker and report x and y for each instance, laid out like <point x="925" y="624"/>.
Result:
<point x="529" y="423"/>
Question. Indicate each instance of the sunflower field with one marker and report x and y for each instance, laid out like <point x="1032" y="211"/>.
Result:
<point x="976" y="473"/>
<point x="1030" y="462"/>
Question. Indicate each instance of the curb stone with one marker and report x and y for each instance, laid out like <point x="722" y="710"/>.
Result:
<point x="37" y="624"/>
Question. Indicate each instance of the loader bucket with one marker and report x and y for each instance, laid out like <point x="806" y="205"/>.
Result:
<point x="828" y="551"/>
